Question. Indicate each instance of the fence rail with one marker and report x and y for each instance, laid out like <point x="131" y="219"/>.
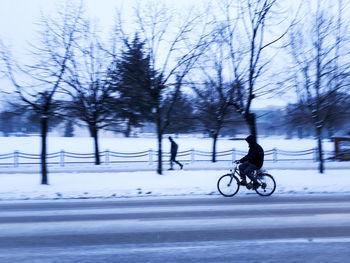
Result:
<point x="107" y="157"/>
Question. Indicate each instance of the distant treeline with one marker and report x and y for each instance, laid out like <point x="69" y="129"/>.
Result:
<point x="290" y="121"/>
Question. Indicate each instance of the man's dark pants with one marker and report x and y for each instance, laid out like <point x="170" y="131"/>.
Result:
<point x="173" y="160"/>
<point x="247" y="169"/>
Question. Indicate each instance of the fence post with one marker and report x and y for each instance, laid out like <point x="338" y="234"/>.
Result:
<point x="16" y="158"/>
<point x="315" y="154"/>
<point x="192" y="156"/>
<point x="233" y="155"/>
<point x="107" y="157"/>
<point x="274" y="155"/>
<point x="150" y="156"/>
<point x="62" y="158"/>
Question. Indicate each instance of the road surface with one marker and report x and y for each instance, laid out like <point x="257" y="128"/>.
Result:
<point x="192" y="229"/>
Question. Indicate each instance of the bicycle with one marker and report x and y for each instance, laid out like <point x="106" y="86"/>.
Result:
<point x="229" y="184"/>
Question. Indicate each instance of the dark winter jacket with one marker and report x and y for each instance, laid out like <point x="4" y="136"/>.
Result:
<point x="255" y="154"/>
<point x="173" y="147"/>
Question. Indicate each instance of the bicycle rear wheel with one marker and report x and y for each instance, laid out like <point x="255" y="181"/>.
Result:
<point x="228" y="185"/>
<point x="267" y="185"/>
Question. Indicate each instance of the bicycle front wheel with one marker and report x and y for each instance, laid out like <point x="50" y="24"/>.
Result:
<point x="228" y="185"/>
<point x="267" y="185"/>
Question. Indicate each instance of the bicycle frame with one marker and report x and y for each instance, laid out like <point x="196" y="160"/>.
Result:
<point x="235" y="171"/>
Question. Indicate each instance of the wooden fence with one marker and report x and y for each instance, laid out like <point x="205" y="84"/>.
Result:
<point x="63" y="158"/>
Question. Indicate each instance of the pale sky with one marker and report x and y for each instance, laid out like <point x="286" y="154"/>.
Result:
<point x="18" y="18"/>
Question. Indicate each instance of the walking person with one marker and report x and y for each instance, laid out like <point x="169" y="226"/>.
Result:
<point x="173" y="152"/>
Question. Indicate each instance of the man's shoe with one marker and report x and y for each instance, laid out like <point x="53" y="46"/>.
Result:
<point x="256" y="185"/>
<point x="181" y="166"/>
<point x="170" y="169"/>
<point x="243" y="182"/>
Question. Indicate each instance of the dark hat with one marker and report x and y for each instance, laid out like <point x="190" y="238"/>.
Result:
<point x="251" y="139"/>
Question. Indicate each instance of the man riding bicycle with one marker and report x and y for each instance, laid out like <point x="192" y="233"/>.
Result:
<point x="252" y="161"/>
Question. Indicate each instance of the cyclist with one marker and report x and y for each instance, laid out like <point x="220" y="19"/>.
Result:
<point x="252" y="161"/>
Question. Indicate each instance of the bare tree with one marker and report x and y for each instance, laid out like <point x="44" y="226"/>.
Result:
<point x="89" y="92"/>
<point x="215" y="95"/>
<point x="321" y="68"/>
<point x="3" y="55"/>
<point x="173" y="42"/>
<point x="37" y="83"/>
<point x="213" y="110"/>
<point x="246" y="31"/>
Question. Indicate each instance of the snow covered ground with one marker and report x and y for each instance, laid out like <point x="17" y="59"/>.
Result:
<point x="171" y="183"/>
<point x="131" y="180"/>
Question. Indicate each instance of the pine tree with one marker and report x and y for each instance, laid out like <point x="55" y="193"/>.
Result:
<point x="131" y="77"/>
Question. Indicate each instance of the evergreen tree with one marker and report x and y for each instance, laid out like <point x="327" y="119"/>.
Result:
<point x="131" y="77"/>
<point x="142" y="93"/>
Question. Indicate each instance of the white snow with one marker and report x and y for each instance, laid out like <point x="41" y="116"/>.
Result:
<point x="149" y="183"/>
<point x="131" y="180"/>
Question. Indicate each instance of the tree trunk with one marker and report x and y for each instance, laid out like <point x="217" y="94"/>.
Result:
<point x="44" y="129"/>
<point x="320" y="150"/>
<point x="94" y="135"/>
<point x="215" y="137"/>
<point x="300" y="132"/>
<point x="160" y="168"/>
<point x="251" y="121"/>
<point x="128" y="130"/>
<point x="159" y="137"/>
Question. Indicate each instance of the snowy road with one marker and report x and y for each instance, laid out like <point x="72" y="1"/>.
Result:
<point x="202" y="229"/>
